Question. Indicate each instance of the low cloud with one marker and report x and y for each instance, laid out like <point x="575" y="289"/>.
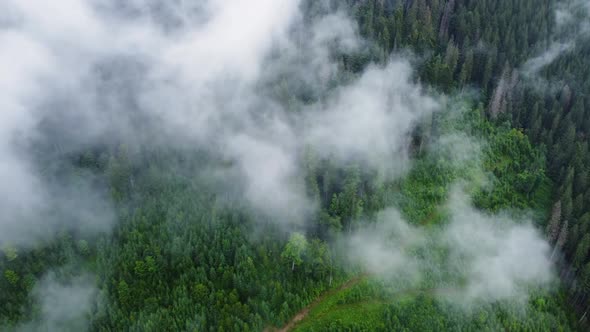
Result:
<point x="147" y="73"/>
<point x="475" y="258"/>
<point x="371" y="120"/>
<point x="500" y="257"/>
<point x="62" y="305"/>
<point x="571" y="18"/>
<point x="534" y="65"/>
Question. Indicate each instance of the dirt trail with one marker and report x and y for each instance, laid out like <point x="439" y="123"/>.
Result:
<point x="305" y="311"/>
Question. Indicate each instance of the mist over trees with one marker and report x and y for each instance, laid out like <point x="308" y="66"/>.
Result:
<point x="221" y="165"/>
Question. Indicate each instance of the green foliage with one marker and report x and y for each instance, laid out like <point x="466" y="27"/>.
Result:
<point x="10" y="252"/>
<point x="295" y="249"/>
<point x="511" y="174"/>
<point x="370" y="306"/>
<point x="12" y="277"/>
<point x="519" y="175"/>
<point x="83" y="247"/>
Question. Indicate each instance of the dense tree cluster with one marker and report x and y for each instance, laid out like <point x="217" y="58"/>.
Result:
<point x="487" y="44"/>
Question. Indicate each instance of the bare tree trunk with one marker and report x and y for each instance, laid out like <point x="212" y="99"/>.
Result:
<point x="330" y="283"/>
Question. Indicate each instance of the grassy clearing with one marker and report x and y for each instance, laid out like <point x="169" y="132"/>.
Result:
<point x="345" y="308"/>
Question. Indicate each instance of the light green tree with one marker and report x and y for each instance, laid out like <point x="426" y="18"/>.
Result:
<point x="12" y="277"/>
<point x="10" y="252"/>
<point x="295" y="249"/>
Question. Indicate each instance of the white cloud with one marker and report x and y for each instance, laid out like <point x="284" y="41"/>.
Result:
<point x="489" y="257"/>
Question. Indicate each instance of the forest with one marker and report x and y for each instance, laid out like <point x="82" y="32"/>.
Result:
<point x="295" y="165"/>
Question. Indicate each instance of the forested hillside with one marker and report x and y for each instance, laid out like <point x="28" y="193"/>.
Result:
<point x="358" y="165"/>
